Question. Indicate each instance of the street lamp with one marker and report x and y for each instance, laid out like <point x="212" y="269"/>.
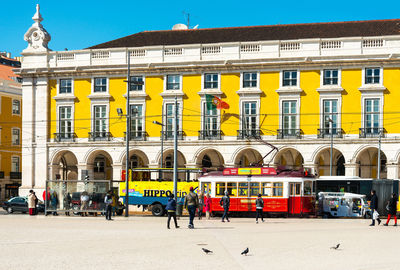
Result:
<point x="379" y="155"/>
<point x="128" y="131"/>
<point x="331" y="158"/>
<point x="162" y="146"/>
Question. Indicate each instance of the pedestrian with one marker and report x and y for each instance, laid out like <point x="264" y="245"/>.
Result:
<point x="374" y="208"/>
<point x="108" y="200"/>
<point x="259" y="208"/>
<point x="35" y="212"/>
<point x="191" y="203"/>
<point x="207" y="205"/>
<point x="84" y="203"/>
<point x="114" y="204"/>
<point x="31" y="202"/>
<point x="54" y="202"/>
<point x="225" y="203"/>
<point x="46" y="199"/>
<point x="171" y="210"/>
<point x="392" y="209"/>
<point x="67" y="203"/>
<point x="201" y="203"/>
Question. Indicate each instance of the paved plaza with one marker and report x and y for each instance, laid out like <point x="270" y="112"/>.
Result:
<point x="61" y="242"/>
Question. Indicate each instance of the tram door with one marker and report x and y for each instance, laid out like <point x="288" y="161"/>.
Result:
<point x="295" y="203"/>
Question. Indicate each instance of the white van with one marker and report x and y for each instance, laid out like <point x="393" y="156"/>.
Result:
<point x="341" y="204"/>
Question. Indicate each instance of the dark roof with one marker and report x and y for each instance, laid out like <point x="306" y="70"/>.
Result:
<point x="257" y="33"/>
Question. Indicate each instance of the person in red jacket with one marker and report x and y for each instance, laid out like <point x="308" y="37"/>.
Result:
<point x="46" y="199"/>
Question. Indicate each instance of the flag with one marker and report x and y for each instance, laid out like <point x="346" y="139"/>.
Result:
<point x="213" y="102"/>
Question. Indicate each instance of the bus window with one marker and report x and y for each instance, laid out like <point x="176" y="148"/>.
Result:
<point x="243" y="189"/>
<point x="232" y="189"/>
<point x="219" y="188"/>
<point x="254" y="189"/>
<point x="266" y="189"/>
<point x="298" y="189"/>
<point x="307" y="187"/>
<point x="278" y="189"/>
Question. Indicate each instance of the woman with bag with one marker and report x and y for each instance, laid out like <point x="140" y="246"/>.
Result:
<point x="392" y="209"/>
<point x="207" y="205"/>
<point x="374" y="208"/>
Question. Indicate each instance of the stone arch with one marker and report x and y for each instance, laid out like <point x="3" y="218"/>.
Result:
<point x="289" y="157"/>
<point x="99" y="164"/>
<point x="214" y="157"/>
<point x="322" y="161"/>
<point x="168" y="162"/>
<point x="246" y="157"/>
<point x="64" y="166"/>
<point x="137" y="159"/>
<point x="367" y="161"/>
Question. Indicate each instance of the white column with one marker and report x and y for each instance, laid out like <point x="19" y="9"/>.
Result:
<point x="117" y="170"/>
<point x="351" y="169"/>
<point x="392" y="171"/>
<point x="153" y="175"/>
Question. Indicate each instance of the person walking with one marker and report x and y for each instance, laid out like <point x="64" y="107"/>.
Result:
<point x="191" y="203"/>
<point x="374" y="208"/>
<point x="31" y="202"/>
<point x="114" y="204"/>
<point x="259" y="208"/>
<point x="108" y="200"/>
<point x="54" y="202"/>
<point x="171" y="210"/>
<point x="392" y="209"/>
<point x="67" y="203"/>
<point x="35" y="210"/>
<point x="207" y="205"/>
<point x="201" y="204"/>
<point x="225" y="203"/>
<point x="46" y="199"/>
<point x="84" y="203"/>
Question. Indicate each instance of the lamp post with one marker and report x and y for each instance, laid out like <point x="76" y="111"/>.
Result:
<point x="379" y="156"/>
<point x="162" y="146"/>
<point x="331" y="157"/>
<point x="128" y="131"/>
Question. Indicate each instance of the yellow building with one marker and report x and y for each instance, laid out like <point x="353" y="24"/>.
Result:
<point x="10" y="128"/>
<point x="298" y="87"/>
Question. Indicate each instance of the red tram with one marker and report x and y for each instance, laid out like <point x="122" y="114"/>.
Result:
<point x="284" y="192"/>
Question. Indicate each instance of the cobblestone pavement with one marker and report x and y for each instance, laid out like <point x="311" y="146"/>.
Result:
<point x="61" y="242"/>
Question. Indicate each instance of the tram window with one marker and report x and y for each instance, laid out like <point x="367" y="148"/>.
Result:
<point x="266" y="189"/>
<point x="254" y="189"/>
<point x="232" y="189"/>
<point x="307" y="187"/>
<point x="243" y="189"/>
<point x="298" y="189"/>
<point x="278" y="190"/>
<point x="219" y="189"/>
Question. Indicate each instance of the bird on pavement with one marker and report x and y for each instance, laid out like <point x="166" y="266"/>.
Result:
<point x="335" y="247"/>
<point x="206" y="250"/>
<point x="245" y="252"/>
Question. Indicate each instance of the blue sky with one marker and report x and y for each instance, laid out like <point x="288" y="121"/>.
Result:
<point x="77" y="24"/>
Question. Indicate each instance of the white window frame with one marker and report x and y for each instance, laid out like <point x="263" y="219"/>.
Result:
<point x="143" y="86"/>
<point x="203" y="113"/>
<point x="92" y="111"/>
<point x="323" y="97"/>
<point x="12" y="136"/>
<point x="58" y="129"/>
<point x="180" y="112"/>
<point x="289" y="86"/>
<point x="180" y="82"/>
<point x="19" y="163"/>
<point x="107" y="85"/>
<point x="241" y="104"/>
<point x="338" y="85"/>
<point x="203" y="82"/>
<point x="143" y="104"/>
<point x="381" y="101"/>
<point x="372" y="85"/>
<point x="242" y="78"/>
<point x="72" y="86"/>
<point x="12" y="106"/>
<point x="289" y="98"/>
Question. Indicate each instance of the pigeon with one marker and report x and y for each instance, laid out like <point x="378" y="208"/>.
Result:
<point x="245" y="252"/>
<point x="335" y="247"/>
<point x="206" y="250"/>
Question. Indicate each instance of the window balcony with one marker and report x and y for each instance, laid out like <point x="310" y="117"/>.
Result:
<point x="136" y="136"/>
<point x="210" y="134"/>
<point x="290" y="133"/>
<point x="326" y="132"/>
<point x="15" y="175"/>
<point x="372" y="132"/>
<point x="169" y="135"/>
<point x="99" y="136"/>
<point x="248" y="133"/>
<point x="64" y="137"/>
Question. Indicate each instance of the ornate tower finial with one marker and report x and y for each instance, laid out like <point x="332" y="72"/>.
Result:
<point x="36" y="36"/>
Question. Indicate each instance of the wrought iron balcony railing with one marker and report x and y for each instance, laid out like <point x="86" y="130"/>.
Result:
<point x="210" y="134"/>
<point x="290" y="133"/>
<point x="99" y="136"/>
<point x="169" y="135"/>
<point x="64" y="137"/>
<point x="248" y="133"/>
<point x="372" y="132"/>
<point x="327" y="132"/>
<point x="136" y="136"/>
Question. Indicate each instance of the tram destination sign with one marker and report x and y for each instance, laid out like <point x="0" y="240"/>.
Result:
<point x="249" y="171"/>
